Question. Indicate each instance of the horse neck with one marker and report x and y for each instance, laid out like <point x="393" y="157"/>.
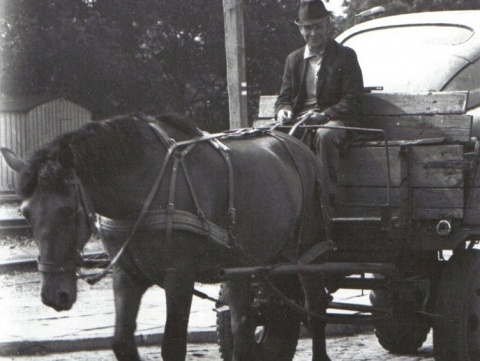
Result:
<point x="122" y="194"/>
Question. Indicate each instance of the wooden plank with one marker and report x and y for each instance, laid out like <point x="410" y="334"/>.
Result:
<point x="415" y="103"/>
<point x="431" y="166"/>
<point x="236" y="68"/>
<point x="437" y="198"/>
<point x="427" y="203"/>
<point x="472" y="207"/>
<point x="452" y="127"/>
<point x="379" y="104"/>
<point x="266" y="106"/>
<point x="437" y="214"/>
<point x="367" y="195"/>
<point x="367" y="166"/>
<point x="473" y="98"/>
<point x="417" y="213"/>
<point x="421" y="197"/>
<point x="436" y="166"/>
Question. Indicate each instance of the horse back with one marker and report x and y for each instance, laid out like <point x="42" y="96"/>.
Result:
<point x="275" y="194"/>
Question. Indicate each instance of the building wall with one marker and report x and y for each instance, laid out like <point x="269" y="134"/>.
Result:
<point x="12" y="126"/>
<point x="23" y="132"/>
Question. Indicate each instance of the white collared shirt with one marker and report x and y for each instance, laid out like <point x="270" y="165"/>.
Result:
<point x="313" y="67"/>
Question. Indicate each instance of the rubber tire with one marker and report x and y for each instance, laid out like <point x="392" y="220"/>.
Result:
<point x="399" y="335"/>
<point x="456" y="337"/>
<point x="278" y="336"/>
<point x="277" y="342"/>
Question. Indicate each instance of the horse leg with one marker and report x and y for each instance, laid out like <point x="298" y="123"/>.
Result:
<point x="238" y="297"/>
<point x="316" y="301"/>
<point x="178" y="284"/>
<point x="128" y="294"/>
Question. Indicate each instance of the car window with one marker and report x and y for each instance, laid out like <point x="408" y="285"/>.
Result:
<point x="467" y="79"/>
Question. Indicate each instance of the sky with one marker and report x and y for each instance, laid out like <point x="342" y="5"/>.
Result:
<point x="335" y="6"/>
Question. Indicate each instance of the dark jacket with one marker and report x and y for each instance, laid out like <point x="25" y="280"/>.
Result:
<point x="339" y="85"/>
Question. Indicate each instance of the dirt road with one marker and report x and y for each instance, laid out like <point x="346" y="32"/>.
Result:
<point x="353" y="348"/>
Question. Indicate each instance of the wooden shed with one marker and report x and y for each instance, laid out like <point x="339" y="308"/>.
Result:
<point x="28" y="122"/>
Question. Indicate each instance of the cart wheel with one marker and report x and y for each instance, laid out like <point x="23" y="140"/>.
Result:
<point x="276" y="335"/>
<point x="403" y="333"/>
<point x="456" y="335"/>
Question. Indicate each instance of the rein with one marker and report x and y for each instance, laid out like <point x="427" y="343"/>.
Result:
<point x="178" y="156"/>
<point x="96" y="278"/>
<point x="171" y="218"/>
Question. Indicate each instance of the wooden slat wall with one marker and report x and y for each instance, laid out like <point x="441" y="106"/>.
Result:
<point x="405" y="116"/>
<point x="12" y="126"/>
<point x="25" y="132"/>
<point x="451" y="127"/>
<point x="415" y="103"/>
<point x="54" y="118"/>
<point x="393" y="104"/>
<point x="437" y="191"/>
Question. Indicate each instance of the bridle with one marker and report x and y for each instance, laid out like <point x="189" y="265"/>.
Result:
<point x="175" y="152"/>
<point x="83" y="204"/>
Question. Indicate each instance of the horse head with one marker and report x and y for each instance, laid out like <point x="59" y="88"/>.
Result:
<point x="57" y="208"/>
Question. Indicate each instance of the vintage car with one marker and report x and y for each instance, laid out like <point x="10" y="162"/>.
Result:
<point x="421" y="52"/>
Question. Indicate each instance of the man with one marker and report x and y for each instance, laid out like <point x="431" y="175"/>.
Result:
<point x="322" y="85"/>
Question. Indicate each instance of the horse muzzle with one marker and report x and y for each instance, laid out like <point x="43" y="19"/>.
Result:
<point x="59" y="290"/>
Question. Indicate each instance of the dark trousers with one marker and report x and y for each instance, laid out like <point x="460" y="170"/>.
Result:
<point x="327" y="144"/>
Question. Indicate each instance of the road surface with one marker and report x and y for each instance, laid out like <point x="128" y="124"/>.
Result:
<point x="353" y="348"/>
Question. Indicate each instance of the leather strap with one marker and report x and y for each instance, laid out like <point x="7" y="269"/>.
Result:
<point x="157" y="220"/>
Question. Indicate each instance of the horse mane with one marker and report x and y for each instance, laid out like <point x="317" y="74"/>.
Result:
<point x="103" y="147"/>
<point x="181" y="123"/>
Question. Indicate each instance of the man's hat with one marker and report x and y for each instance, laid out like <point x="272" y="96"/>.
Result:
<point x="311" y="12"/>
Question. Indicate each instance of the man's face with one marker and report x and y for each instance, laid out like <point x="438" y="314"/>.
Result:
<point x="316" y="35"/>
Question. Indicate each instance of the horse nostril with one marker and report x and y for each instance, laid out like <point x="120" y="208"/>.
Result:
<point x="63" y="298"/>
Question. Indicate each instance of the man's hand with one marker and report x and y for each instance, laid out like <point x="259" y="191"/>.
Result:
<point x="314" y="118"/>
<point x="284" y="116"/>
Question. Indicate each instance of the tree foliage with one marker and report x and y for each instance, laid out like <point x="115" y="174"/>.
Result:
<point x="118" y="56"/>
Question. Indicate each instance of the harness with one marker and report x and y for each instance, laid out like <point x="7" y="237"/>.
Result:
<point x="170" y="218"/>
<point x="84" y="204"/>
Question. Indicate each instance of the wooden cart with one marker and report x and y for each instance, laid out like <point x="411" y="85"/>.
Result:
<point x="408" y="220"/>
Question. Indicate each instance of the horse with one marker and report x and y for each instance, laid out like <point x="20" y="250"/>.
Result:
<point x="173" y="204"/>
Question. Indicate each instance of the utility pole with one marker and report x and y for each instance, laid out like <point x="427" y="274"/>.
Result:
<point x="236" y="64"/>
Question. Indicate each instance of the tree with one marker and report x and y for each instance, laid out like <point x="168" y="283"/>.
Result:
<point x="119" y="56"/>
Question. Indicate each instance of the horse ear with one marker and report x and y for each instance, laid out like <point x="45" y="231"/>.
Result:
<point x="13" y="160"/>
